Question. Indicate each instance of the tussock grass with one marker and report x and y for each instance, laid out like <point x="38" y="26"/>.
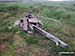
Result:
<point x="13" y="38"/>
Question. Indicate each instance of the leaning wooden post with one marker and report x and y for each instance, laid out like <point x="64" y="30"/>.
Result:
<point x="48" y="35"/>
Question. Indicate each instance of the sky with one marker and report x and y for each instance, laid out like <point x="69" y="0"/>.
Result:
<point x="56" y="0"/>
<point x="53" y="0"/>
<point x="38" y="0"/>
<point x="60" y="0"/>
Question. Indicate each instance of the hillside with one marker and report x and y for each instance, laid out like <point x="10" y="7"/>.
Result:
<point x="15" y="42"/>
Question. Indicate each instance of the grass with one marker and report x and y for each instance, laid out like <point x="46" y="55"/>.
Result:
<point x="14" y="39"/>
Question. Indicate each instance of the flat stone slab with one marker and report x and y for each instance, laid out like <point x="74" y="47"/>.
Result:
<point x="33" y="20"/>
<point x="25" y="25"/>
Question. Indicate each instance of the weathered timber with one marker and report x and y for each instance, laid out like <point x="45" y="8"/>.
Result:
<point x="33" y="20"/>
<point x="48" y="35"/>
<point x="57" y="21"/>
<point x="67" y="53"/>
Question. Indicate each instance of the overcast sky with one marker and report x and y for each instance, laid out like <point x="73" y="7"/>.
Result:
<point x="38" y="0"/>
<point x="53" y="0"/>
<point x="60" y="0"/>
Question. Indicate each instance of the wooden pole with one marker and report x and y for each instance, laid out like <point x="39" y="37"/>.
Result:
<point x="66" y="53"/>
<point x="57" y="21"/>
<point x="48" y="35"/>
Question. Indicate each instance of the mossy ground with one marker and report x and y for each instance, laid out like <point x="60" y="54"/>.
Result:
<point x="15" y="42"/>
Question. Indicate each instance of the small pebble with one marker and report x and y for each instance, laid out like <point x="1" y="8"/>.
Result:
<point x="10" y="27"/>
<point x="29" y="32"/>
